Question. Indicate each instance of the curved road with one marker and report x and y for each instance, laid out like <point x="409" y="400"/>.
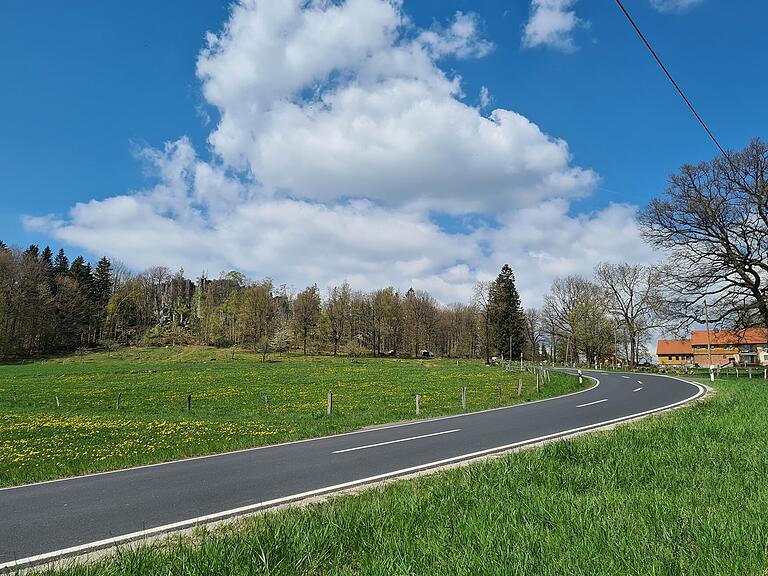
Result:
<point x="48" y="520"/>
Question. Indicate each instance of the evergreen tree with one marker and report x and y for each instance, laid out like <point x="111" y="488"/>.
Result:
<point x="33" y="252"/>
<point x="102" y="281"/>
<point x="61" y="263"/>
<point x="506" y="315"/>
<point x="47" y="257"/>
<point x="3" y="246"/>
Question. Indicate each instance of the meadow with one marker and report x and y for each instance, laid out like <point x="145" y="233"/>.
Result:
<point x="60" y="417"/>
<point x="683" y="493"/>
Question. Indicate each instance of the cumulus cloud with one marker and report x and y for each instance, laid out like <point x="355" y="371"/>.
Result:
<point x="333" y="102"/>
<point x="551" y="23"/>
<point x="667" y="6"/>
<point x="340" y="144"/>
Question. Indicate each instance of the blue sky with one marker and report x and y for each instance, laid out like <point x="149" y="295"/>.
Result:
<point x="87" y="89"/>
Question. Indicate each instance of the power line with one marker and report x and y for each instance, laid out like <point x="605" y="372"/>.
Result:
<point x="677" y="87"/>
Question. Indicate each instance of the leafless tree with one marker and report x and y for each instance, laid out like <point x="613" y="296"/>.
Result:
<point x="633" y="294"/>
<point x="713" y="223"/>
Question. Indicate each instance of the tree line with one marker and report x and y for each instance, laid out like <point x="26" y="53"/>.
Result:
<point x="48" y="305"/>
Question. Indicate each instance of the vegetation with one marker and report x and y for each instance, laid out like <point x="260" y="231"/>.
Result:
<point x="60" y="417"/>
<point x="680" y="493"/>
<point x="48" y="306"/>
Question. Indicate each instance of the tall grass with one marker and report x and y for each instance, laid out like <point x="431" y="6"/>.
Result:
<point x="680" y="493"/>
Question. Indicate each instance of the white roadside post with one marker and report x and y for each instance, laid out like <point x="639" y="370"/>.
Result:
<point x="521" y="361"/>
<point x="581" y="378"/>
<point x="329" y="407"/>
<point x="711" y="372"/>
<point x="418" y="404"/>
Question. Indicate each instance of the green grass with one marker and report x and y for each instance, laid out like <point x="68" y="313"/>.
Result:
<point x="39" y="440"/>
<point x="684" y="493"/>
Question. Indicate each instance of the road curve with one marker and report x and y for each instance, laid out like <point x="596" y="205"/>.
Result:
<point x="50" y="520"/>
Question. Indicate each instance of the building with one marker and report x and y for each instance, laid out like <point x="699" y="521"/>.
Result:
<point x="736" y="347"/>
<point x="674" y="352"/>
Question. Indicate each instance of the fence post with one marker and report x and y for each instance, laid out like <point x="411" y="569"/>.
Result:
<point x="519" y="387"/>
<point x="464" y="398"/>
<point x="418" y="404"/>
<point x="765" y="377"/>
<point x="537" y="382"/>
<point x="329" y="408"/>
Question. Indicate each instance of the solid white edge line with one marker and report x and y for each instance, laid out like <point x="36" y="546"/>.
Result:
<point x="395" y="441"/>
<point x="591" y="403"/>
<point x="302" y="441"/>
<point x="270" y="503"/>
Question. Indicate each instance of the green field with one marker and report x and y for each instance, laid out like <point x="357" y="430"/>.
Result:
<point x="684" y="493"/>
<point x="87" y="433"/>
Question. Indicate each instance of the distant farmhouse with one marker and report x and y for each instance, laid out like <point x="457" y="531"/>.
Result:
<point x="728" y="347"/>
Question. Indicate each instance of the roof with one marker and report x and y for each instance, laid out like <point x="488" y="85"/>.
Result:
<point x="733" y="337"/>
<point x="679" y="347"/>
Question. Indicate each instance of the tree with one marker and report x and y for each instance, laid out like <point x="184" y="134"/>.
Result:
<point x="633" y="294"/>
<point x="481" y="299"/>
<point x="506" y="315"/>
<point x="534" y="330"/>
<point x="337" y="311"/>
<point x="576" y="310"/>
<point x="713" y="223"/>
<point x="306" y="312"/>
<point x="259" y="315"/>
<point x="61" y="263"/>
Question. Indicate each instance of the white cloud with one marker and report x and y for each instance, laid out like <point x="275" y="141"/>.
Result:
<point x="337" y="101"/>
<point x="459" y="39"/>
<point x="485" y="97"/>
<point x="667" y="6"/>
<point x="551" y="23"/>
<point x="340" y="143"/>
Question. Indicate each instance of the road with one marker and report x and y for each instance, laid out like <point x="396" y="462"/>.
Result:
<point x="49" y="520"/>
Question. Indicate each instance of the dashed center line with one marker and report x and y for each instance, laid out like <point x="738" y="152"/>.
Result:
<point x="396" y="441"/>
<point x="590" y="403"/>
<point x="627" y="377"/>
<point x="637" y="389"/>
<point x="639" y="381"/>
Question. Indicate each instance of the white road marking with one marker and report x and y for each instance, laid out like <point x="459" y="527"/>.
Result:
<point x="396" y="441"/>
<point x="191" y="522"/>
<point x="627" y="377"/>
<point x="590" y="403"/>
<point x="639" y="381"/>
<point x="637" y="389"/>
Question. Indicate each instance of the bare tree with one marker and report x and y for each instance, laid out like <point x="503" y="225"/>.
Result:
<point x="633" y="296"/>
<point x="535" y="330"/>
<point x="713" y="222"/>
<point x="481" y="299"/>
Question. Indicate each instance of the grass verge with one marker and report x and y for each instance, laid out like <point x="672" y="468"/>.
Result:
<point x="681" y="493"/>
<point x="60" y="417"/>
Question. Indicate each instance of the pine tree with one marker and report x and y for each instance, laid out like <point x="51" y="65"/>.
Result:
<point x="33" y="252"/>
<point x="506" y="312"/>
<point x="61" y="263"/>
<point x="47" y="257"/>
<point x="3" y="246"/>
<point x="102" y="281"/>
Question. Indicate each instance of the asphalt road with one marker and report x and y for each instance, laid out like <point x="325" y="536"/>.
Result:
<point x="41" y="522"/>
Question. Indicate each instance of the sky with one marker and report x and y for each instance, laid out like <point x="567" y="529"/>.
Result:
<point x="407" y="143"/>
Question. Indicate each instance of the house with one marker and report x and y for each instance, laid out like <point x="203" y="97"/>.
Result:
<point x="738" y="347"/>
<point x="674" y="352"/>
